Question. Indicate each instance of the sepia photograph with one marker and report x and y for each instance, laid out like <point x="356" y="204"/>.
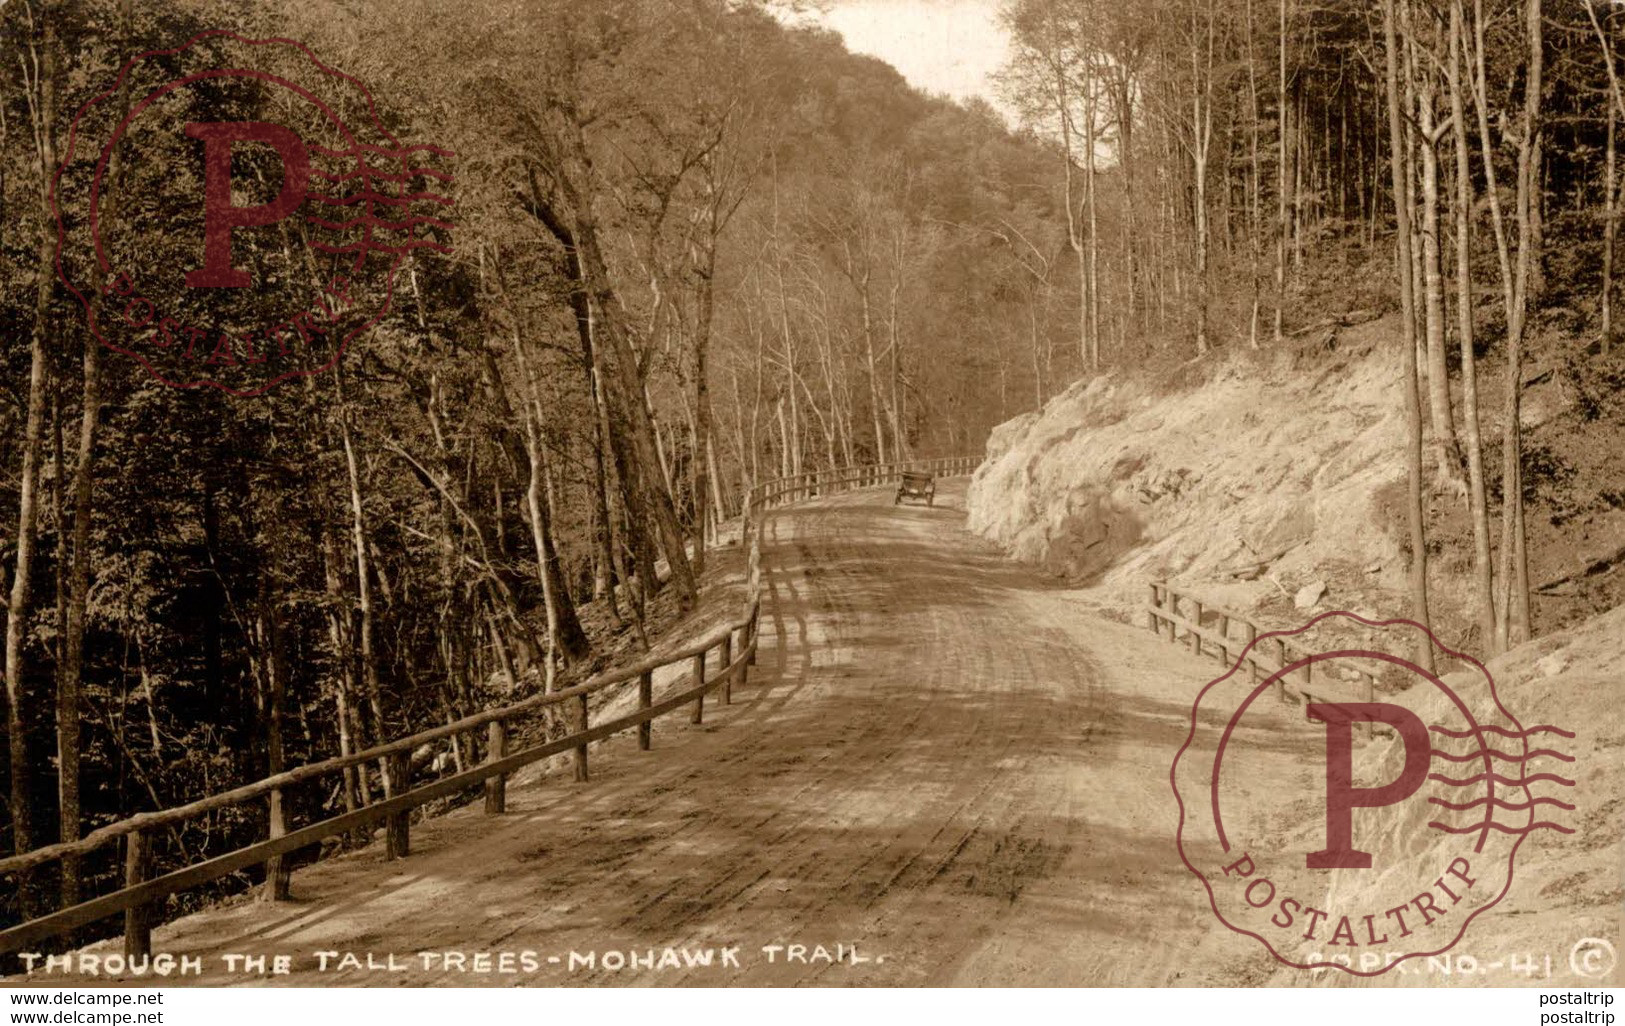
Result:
<point x="892" y="497"/>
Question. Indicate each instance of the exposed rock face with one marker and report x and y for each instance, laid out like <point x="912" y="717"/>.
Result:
<point x="1279" y="531"/>
<point x="1309" y="595"/>
<point x="1258" y="485"/>
<point x="1094" y="530"/>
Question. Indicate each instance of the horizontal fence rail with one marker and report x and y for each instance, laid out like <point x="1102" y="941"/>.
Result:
<point x="734" y="645"/>
<point x="1213" y="630"/>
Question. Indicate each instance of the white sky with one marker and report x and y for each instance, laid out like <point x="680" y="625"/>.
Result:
<point x="941" y="46"/>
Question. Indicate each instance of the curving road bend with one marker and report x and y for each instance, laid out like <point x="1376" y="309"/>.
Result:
<point x="940" y="760"/>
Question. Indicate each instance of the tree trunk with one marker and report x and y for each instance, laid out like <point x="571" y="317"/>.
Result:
<point x="1283" y="225"/>
<point x="274" y="663"/>
<point x="603" y="519"/>
<point x="875" y="404"/>
<point x="718" y="500"/>
<point x="565" y="636"/>
<point x="1069" y="199"/>
<point x="17" y="716"/>
<point x="1411" y="160"/>
<point x="705" y="301"/>
<point x="364" y="607"/>
<point x="1514" y="557"/>
<point x="1610" y="187"/>
<point x="1201" y="136"/>
<point x="1092" y="286"/>
<point x="355" y="781"/>
<point x="1477" y="506"/>
<point x="1300" y="151"/>
<point x="1408" y="384"/>
<point x="625" y="378"/>
<point x="894" y="405"/>
<point x="1255" y="214"/>
<point x="1123" y="111"/>
<point x="69" y="680"/>
<point x="1446" y="450"/>
<point x="1610" y="228"/>
<point x="626" y="416"/>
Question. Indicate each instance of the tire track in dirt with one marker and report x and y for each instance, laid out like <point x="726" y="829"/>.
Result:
<point x="831" y="586"/>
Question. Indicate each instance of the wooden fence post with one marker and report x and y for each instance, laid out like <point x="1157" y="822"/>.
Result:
<point x="646" y="682"/>
<point x="496" y="787"/>
<point x="727" y="660"/>
<point x="1370" y="696"/>
<point x="698" y="674"/>
<point x="398" y="829"/>
<point x="1280" y="663"/>
<point x="138" y="918"/>
<point x="1196" y="639"/>
<point x="1252" y="658"/>
<point x="1156" y="603"/>
<point x="581" y="749"/>
<point x="744" y="664"/>
<point x="276" y="867"/>
<point x="754" y="626"/>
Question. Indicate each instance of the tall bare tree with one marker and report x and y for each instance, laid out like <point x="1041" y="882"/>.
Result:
<point x="1409" y="385"/>
<point x="40" y="63"/>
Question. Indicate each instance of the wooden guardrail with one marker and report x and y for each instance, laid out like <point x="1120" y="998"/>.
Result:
<point x="1173" y="611"/>
<point x="734" y="645"/>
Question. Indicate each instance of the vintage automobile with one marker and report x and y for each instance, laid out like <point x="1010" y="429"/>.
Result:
<point x="916" y="485"/>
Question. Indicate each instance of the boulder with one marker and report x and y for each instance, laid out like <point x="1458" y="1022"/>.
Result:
<point x="1272" y="536"/>
<point x="1309" y="594"/>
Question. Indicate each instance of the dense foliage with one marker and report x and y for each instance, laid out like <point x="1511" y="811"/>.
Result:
<point x="692" y="248"/>
<point x="1235" y="173"/>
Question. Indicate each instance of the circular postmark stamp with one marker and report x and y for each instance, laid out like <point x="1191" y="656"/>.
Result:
<point x="232" y="212"/>
<point x="1346" y="807"/>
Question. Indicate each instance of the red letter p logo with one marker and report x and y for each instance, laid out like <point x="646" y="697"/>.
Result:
<point x="219" y="215"/>
<point x="1342" y="797"/>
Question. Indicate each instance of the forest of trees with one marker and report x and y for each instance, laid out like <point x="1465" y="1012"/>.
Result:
<point x="1233" y="168"/>
<point x="693" y="249"/>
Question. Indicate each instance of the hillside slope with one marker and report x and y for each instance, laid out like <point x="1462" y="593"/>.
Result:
<point x="1567" y="887"/>
<point x="1274" y="487"/>
<point x="1258" y="482"/>
<point x="1282" y="470"/>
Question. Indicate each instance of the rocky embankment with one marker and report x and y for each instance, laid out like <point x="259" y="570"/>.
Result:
<point x="1266" y="485"/>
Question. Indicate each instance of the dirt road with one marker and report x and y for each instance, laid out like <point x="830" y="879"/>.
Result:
<point x="940" y="760"/>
